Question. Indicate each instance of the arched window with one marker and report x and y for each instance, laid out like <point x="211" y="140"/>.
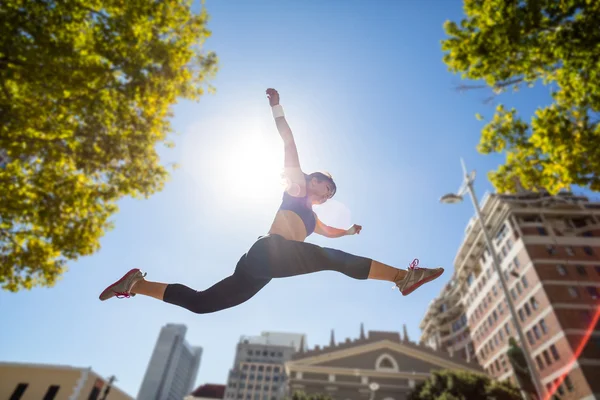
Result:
<point x="385" y="362"/>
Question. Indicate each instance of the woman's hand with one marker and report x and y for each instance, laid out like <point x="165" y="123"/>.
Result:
<point x="354" y="230"/>
<point x="273" y="96"/>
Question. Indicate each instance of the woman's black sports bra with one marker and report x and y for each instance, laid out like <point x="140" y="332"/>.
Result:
<point x="299" y="206"/>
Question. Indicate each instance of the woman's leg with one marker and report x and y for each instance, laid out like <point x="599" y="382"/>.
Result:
<point x="227" y="293"/>
<point x="384" y="272"/>
<point x="231" y="291"/>
<point x="276" y="257"/>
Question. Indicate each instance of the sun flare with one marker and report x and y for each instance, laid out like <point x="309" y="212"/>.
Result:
<point x="251" y="166"/>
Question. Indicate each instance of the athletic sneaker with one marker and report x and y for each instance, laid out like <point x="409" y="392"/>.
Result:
<point x="122" y="288"/>
<point x="417" y="276"/>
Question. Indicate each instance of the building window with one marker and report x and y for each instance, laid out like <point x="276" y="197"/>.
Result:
<point x="51" y="393"/>
<point x="534" y="303"/>
<point x="527" y="309"/>
<point x="588" y="250"/>
<point x="536" y="332"/>
<point x="470" y="279"/>
<point x="573" y="292"/>
<point x="500" y="308"/>
<point x="525" y="282"/>
<point x="569" y="384"/>
<point x="530" y="338"/>
<point x="559" y="388"/>
<point x="386" y="362"/>
<point x="561" y="270"/>
<point x="542" y="231"/>
<point x="592" y="291"/>
<point x="19" y="391"/>
<point x="521" y="316"/>
<point x="570" y="251"/>
<point x="509" y="243"/>
<point x="516" y="262"/>
<point x="507" y="329"/>
<point x="501" y="335"/>
<point x="540" y="364"/>
<point x="554" y="353"/>
<point x="519" y="288"/>
<point x="581" y="270"/>
<point x="547" y="357"/>
<point x="513" y="293"/>
<point x="551" y="250"/>
<point x="543" y="326"/>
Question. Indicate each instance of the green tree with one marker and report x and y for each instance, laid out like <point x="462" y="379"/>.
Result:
<point x="461" y="385"/>
<point x="515" y="43"/>
<point x="299" y="395"/>
<point x="86" y="91"/>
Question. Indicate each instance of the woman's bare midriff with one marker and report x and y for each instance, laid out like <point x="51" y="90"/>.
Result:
<point x="289" y="225"/>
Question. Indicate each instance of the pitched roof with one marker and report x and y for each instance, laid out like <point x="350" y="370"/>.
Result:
<point x="210" y="391"/>
<point x="394" y="337"/>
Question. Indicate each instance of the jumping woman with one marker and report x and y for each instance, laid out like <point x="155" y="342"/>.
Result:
<point x="282" y="252"/>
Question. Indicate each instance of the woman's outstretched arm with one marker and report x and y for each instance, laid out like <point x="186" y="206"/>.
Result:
<point x="331" y="232"/>
<point x="291" y="163"/>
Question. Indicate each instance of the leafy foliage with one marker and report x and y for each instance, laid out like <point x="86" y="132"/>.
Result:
<point x="462" y="385"/>
<point x="86" y="89"/>
<point x="514" y="43"/>
<point x="299" y="395"/>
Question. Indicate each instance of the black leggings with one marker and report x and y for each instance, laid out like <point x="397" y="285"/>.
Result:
<point x="270" y="257"/>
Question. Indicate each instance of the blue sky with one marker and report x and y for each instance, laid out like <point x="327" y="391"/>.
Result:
<point x="369" y="100"/>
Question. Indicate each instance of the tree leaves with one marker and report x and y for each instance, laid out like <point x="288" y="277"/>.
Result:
<point x="514" y="44"/>
<point x="462" y="385"/>
<point x="86" y="90"/>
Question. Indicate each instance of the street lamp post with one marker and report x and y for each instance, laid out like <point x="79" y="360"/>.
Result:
<point x="467" y="186"/>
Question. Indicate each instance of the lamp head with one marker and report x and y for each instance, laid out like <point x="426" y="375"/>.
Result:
<point x="451" y="198"/>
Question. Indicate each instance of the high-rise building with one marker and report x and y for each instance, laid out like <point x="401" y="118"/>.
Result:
<point x="549" y="249"/>
<point x="173" y="367"/>
<point x="444" y="326"/>
<point x="258" y="371"/>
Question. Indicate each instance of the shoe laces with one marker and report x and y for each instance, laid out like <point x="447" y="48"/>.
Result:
<point x="126" y="295"/>
<point x="414" y="264"/>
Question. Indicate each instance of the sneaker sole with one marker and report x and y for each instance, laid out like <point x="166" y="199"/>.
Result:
<point x="411" y="289"/>
<point x="105" y="291"/>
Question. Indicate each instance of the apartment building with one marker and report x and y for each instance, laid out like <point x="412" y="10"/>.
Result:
<point x="258" y="371"/>
<point x="549" y="248"/>
<point x="444" y="327"/>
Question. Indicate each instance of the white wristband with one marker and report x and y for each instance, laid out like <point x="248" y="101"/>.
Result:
<point x="277" y="111"/>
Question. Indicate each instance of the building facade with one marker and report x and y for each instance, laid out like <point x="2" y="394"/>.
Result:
<point x="173" y="367"/>
<point x="549" y="249"/>
<point x="379" y="364"/>
<point x="258" y="371"/>
<point x="444" y="326"/>
<point x="23" y="381"/>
